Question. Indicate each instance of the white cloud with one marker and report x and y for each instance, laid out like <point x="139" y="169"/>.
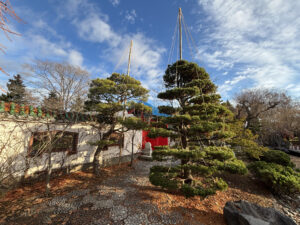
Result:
<point x="235" y="80"/>
<point x="260" y="38"/>
<point x="95" y="29"/>
<point x="46" y="47"/>
<point x="130" y="16"/>
<point x="115" y="2"/>
<point x="228" y="85"/>
<point x="145" y="59"/>
<point x="146" y="53"/>
<point x="34" y="46"/>
<point x="75" y="58"/>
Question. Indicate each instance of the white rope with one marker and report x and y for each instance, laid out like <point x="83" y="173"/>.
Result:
<point x="121" y="60"/>
<point x="173" y="43"/>
<point x="190" y="35"/>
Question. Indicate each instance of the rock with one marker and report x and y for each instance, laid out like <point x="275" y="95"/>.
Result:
<point x="147" y="152"/>
<point x="245" y="213"/>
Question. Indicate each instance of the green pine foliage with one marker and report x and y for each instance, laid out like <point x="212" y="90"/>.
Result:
<point x="282" y="179"/>
<point x="277" y="171"/>
<point x="110" y="98"/>
<point x="16" y="91"/>
<point x="110" y="95"/>
<point x="279" y="157"/>
<point x="198" y="122"/>
<point x="246" y="140"/>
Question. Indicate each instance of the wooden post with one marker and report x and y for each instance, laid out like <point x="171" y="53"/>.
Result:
<point x="180" y="33"/>
<point x="128" y="69"/>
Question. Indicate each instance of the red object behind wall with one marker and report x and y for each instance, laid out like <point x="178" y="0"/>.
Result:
<point x="154" y="141"/>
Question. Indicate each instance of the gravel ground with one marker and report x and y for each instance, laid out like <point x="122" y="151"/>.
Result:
<point x="115" y="201"/>
<point x="129" y="199"/>
<point x="296" y="159"/>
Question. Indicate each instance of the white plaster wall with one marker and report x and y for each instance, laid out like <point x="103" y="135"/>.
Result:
<point x="15" y="136"/>
<point x="114" y="151"/>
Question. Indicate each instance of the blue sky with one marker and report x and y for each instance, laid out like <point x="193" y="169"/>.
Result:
<point x="242" y="44"/>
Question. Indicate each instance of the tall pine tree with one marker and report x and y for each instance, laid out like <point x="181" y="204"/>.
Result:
<point x="16" y="91"/>
<point x="198" y="121"/>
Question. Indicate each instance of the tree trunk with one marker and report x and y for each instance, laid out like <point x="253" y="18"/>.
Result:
<point x="186" y="173"/>
<point x="184" y="142"/>
<point x="24" y="176"/>
<point x="123" y="133"/>
<point x="96" y="163"/>
<point x="48" y="176"/>
<point x="132" y="148"/>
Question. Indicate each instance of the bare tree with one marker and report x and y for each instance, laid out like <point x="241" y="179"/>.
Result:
<point x="66" y="81"/>
<point x="6" y="11"/>
<point x="281" y="124"/>
<point x="253" y="103"/>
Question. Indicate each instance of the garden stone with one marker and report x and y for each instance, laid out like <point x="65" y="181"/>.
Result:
<point x="147" y="152"/>
<point x="245" y="213"/>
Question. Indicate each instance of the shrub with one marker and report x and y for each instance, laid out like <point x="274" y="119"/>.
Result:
<point x="281" y="179"/>
<point x="247" y="141"/>
<point x="164" y="169"/>
<point x="220" y="184"/>
<point x="235" y="167"/>
<point x="164" y="180"/>
<point x="215" y="184"/>
<point x="219" y="153"/>
<point x="276" y="156"/>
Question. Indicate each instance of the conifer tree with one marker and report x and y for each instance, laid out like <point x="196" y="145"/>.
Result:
<point x="52" y="102"/>
<point x="16" y="91"/>
<point x="198" y="121"/>
<point x="109" y="97"/>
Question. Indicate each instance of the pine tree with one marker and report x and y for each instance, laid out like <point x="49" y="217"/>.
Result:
<point x="16" y="91"/>
<point x="108" y="97"/>
<point x="198" y="121"/>
<point x="52" y="102"/>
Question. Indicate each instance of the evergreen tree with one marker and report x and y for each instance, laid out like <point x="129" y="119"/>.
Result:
<point x="52" y="102"/>
<point x="16" y="91"/>
<point x="108" y="97"/>
<point x="198" y="121"/>
<point x="78" y="104"/>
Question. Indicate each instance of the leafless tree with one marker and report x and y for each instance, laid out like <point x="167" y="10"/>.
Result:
<point x="6" y="12"/>
<point x="65" y="80"/>
<point x="281" y="124"/>
<point x="253" y="103"/>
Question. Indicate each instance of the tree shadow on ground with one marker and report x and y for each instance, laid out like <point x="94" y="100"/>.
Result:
<point x="195" y="216"/>
<point x="246" y="183"/>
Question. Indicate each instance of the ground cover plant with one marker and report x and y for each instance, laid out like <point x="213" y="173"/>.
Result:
<point x="281" y="179"/>
<point x="277" y="171"/>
